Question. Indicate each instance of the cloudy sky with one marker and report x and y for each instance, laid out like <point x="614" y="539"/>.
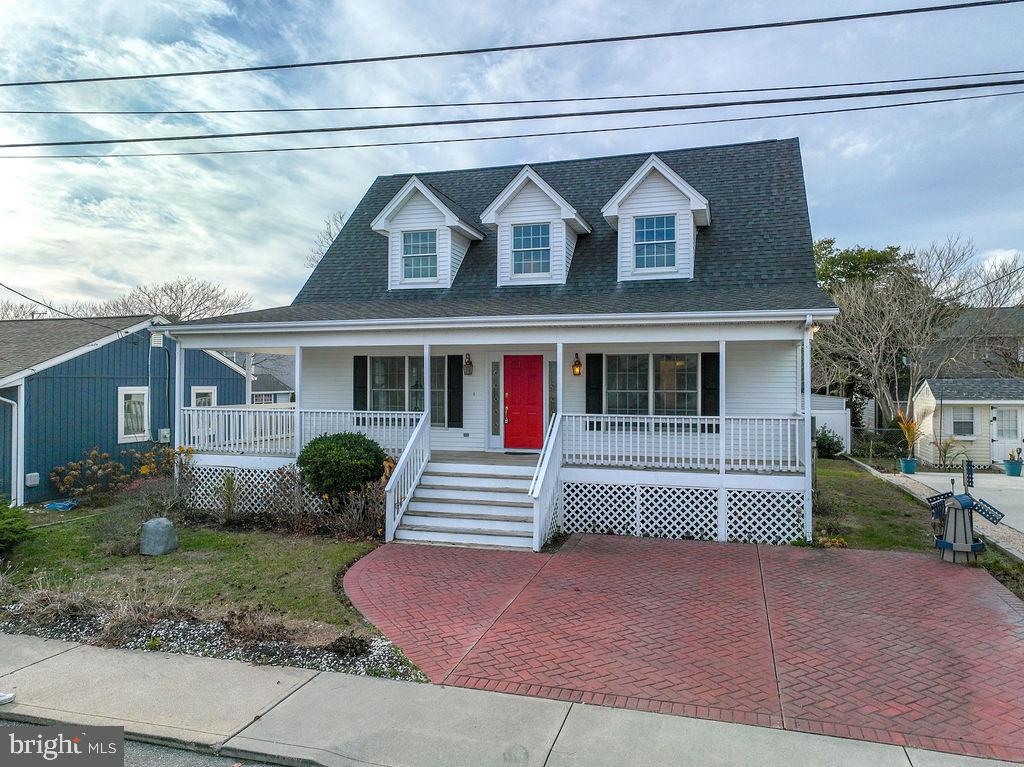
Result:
<point x="88" y="229"/>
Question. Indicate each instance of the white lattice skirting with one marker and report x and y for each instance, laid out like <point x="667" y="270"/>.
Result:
<point x="752" y="516"/>
<point x="254" y="489"/>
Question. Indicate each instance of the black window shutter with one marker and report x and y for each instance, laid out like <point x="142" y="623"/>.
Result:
<point x="595" y="383"/>
<point x="454" y="391"/>
<point x="711" y="397"/>
<point x="359" y="364"/>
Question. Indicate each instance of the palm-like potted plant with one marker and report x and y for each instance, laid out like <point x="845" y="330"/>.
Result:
<point x="911" y="433"/>
<point x="1014" y="463"/>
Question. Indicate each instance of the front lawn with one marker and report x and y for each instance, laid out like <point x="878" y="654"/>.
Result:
<point x="868" y="513"/>
<point x="212" y="569"/>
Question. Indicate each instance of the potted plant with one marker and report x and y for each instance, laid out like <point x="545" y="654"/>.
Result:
<point x="1014" y="463"/>
<point x="911" y="433"/>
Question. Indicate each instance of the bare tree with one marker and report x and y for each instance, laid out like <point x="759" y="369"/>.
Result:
<point x="12" y="310"/>
<point x="331" y="229"/>
<point x="893" y="333"/>
<point x="182" y="299"/>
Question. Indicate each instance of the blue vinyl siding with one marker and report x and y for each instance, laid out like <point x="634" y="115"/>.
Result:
<point x="6" y="435"/>
<point x="72" y="407"/>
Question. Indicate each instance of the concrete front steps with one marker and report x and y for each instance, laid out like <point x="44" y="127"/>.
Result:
<point x="471" y="505"/>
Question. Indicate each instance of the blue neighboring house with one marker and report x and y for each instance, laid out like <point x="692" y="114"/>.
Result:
<point x="69" y="385"/>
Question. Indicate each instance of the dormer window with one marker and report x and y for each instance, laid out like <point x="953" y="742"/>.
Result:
<point x="427" y="239"/>
<point x="419" y="254"/>
<point x="531" y="249"/>
<point x="656" y="214"/>
<point x="537" y="230"/>
<point x="654" y="242"/>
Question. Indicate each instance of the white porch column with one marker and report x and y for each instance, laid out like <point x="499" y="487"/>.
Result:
<point x="426" y="378"/>
<point x="248" y="378"/>
<point x="179" y="394"/>
<point x="808" y="436"/>
<point x="298" y="400"/>
<point x="559" y="375"/>
<point x="723" y="494"/>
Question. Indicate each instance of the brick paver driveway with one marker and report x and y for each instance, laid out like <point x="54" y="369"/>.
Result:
<point x="896" y="648"/>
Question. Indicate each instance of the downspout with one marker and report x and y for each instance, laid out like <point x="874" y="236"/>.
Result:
<point x="16" y="494"/>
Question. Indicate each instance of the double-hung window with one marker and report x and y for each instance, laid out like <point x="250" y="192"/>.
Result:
<point x="438" y="390"/>
<point x="531" y="249"/>
<point x="419" y="255"/>
<point x="963" y="421"/>
<point x="652" y="384"/>
<point x="396" y="384"/>
<point x="654" y="242"/>
<point x="132" y="414"/>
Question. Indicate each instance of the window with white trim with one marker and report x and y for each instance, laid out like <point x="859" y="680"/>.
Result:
<point x="963" y="421"/>
<point x="654" y="242"/>
<point x="395" y="381"/>
<point x="132" y="414"/>
<point x="263" y="399"/>
<point x="204" y="396"/>
<point x="652" y="384"/>
<point x="419" y="255"/>
<point x="531" y="249"/>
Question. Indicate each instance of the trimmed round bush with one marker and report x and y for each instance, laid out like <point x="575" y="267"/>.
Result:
<point x="829" y="443"/>
<point x="334" y="465"/>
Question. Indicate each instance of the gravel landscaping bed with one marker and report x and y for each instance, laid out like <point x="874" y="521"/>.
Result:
<point x="210" y="639"/>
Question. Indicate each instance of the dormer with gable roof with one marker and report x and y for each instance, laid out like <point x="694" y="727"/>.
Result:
<point x="537" y="231"/>
<point x="427" y="237"/>
<point x="656" y="214"/>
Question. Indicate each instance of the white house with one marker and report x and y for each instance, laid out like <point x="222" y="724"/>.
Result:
<point x="616" y="344"/>
<point x="977" y="418"/>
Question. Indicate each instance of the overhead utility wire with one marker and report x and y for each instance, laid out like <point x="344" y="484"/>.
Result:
<point x="463" y="139"/>
<point x="502" y="102"/>
<point x="516" y="118"/>
<point x="120" y="331"/>
<point x="525" y="46"/>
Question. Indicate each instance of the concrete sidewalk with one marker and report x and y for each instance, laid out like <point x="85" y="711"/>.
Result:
<point x="288" y="716"/>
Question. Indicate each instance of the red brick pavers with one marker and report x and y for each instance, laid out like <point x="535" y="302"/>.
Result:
<point x="895" y="648"/>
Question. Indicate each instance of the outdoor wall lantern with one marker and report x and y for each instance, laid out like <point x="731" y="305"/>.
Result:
<point x="467" y="366"/>
<point x="577" y="366"/>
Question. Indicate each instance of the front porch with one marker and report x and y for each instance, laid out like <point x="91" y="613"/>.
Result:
<point x="695" y="438"/>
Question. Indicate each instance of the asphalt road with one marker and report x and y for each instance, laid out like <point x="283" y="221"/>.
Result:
<point x="147" y="755"/>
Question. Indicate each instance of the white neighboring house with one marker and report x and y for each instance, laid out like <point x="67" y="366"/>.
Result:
<point x="616" y="344"/>
<point x="984" y="418"/>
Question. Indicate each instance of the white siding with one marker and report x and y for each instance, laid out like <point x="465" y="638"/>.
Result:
<point x="656" y="196"/>
<point x="531" y="206"/>
<point x="418" y="213"/>
<point x="761" y="378"/>
<point x="570" y="247"/>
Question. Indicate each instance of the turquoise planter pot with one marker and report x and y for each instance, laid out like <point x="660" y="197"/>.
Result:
<point x="908" y="465"/>
<point x="1013" y="468"/>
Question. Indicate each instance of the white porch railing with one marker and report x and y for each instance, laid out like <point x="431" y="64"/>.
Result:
<point x="248" y="431"/>
<point x="545" y="486"/>
<point x="765" y="444"/>
<point x="391" y="430"/>
<point x="407" y="475"/>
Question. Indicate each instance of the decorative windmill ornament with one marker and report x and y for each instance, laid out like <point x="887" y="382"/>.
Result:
<point x="953" y="520"/>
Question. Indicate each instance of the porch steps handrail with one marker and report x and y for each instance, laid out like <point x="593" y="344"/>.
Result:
<point x="544" y="487"/>
<point x="406" y="476"/>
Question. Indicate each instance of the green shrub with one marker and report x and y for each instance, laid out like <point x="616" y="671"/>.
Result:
<point x="829" y="443"/>
<point x="13" y="528"/>
<point x="335" y="465"/>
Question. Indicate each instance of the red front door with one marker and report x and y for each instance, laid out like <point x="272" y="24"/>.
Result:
<point x="524" y="401"/>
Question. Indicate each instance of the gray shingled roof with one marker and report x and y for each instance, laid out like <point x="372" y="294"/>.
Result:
<point x="977" y="389"/>
<point x="25" y="343"/>
<point x="756" y="255"/>
<point x="265" y="382"/>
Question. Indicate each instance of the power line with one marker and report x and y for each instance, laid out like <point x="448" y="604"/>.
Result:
<point x="716" y="121"/>
<point x="119" y="331"/>
<point x="502" y="102"/>
<point x="527" y="46"/>
<point x="516" y="118"/>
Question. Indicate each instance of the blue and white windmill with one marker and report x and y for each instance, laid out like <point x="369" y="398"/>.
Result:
<point x="953" y="517"/>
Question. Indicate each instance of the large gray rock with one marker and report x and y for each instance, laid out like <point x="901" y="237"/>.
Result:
<point x="157" y="537"/>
